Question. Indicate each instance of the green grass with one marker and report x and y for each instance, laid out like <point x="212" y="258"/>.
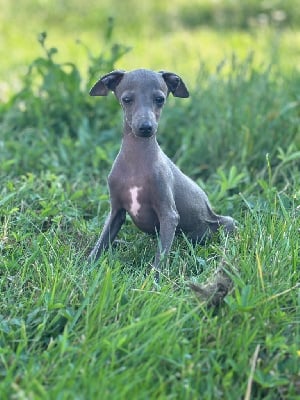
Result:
<point x="72" y="332"/>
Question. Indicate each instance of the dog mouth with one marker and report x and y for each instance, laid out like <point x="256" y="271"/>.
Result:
<point x="145" y="129"/>
<point x="142" y="127"/>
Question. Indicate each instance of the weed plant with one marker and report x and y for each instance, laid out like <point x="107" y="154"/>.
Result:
<point x="70" y="332"/>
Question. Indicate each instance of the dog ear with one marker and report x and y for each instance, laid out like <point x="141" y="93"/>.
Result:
<point x="175" y="84"/>
<point x="107" y="83"/>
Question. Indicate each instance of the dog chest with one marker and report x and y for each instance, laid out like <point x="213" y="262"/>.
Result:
<point x="135" y="205"/>
<point x="137" y="201"/>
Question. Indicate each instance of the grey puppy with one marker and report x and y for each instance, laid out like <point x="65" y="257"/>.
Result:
<point x="143" y="181"/>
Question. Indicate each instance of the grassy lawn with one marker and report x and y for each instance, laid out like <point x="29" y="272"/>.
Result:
<point x="72" y="332"/>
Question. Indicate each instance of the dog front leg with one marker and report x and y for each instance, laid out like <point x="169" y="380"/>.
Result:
<point x="110" y="230"/>
<point x="168" y="222"/>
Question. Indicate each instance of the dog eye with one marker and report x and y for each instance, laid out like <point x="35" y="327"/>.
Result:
<point x="159" y="100"/>
<point x="127" y="99"/>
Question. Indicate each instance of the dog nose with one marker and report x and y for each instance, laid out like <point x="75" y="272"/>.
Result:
<point x="146" y="129"/>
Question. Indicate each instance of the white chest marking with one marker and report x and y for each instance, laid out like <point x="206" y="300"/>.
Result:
<point x="135" y="205"/>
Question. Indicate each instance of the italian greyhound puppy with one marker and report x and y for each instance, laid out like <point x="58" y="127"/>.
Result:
<point x="143" y="181"/>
